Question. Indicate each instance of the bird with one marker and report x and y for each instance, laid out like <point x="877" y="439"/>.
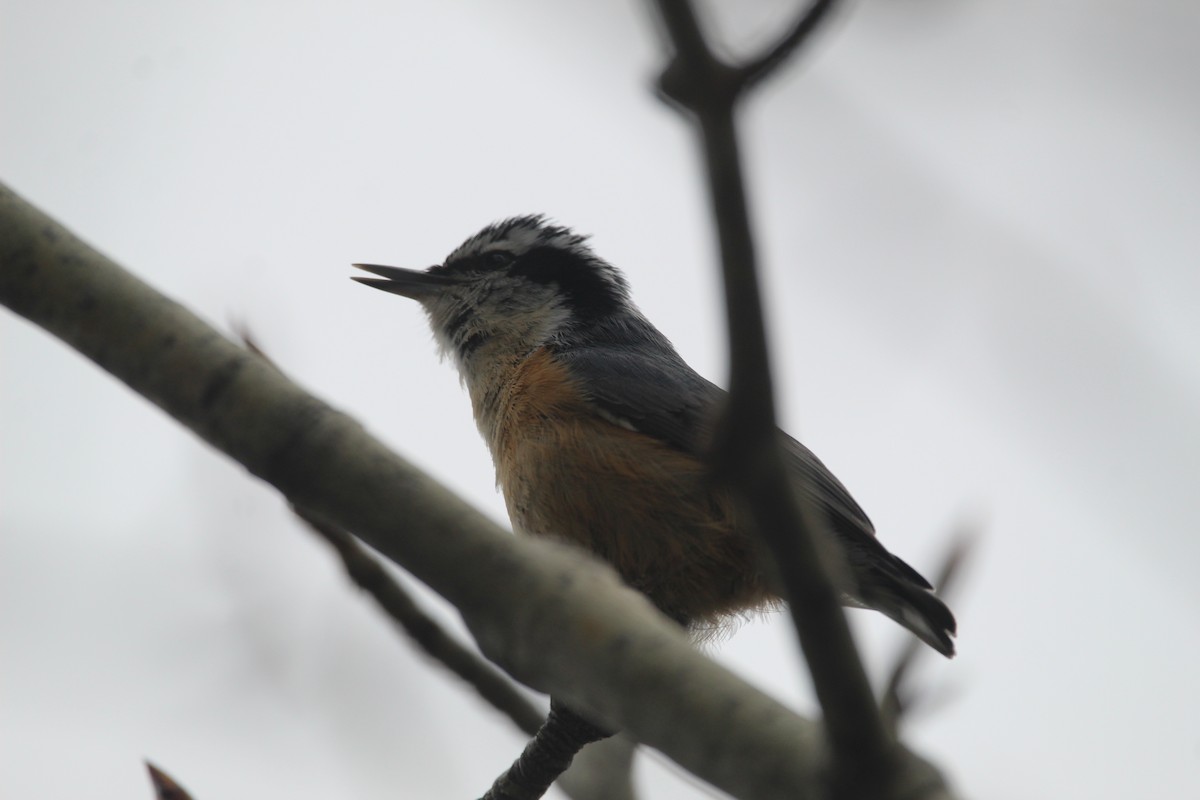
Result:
<point x="600" y="433"/>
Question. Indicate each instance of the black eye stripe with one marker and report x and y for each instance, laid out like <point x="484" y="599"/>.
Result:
<point x="588" y="290"/>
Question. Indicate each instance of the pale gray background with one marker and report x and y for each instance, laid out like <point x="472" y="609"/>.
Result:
<point x="980" y="223"/>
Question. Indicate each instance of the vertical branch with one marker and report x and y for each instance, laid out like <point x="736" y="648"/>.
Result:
<point x="748" y="454"/>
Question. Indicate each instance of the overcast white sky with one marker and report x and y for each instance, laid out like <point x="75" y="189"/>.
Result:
<point x="981" y="229"/>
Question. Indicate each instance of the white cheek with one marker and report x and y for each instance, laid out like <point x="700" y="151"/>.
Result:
<point x="437" y="316"/>
<point x="445" y="347"/>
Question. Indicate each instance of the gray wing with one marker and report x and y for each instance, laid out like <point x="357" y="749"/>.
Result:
<point x="654" y="391"/>
<point x="847" y="519"/>
<point x="635" y="378"/>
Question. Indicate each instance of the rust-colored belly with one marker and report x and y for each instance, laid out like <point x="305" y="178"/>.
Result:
<point x="647" y="508"/>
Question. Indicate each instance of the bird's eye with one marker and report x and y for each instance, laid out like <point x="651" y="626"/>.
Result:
<point x="498" y="258"/>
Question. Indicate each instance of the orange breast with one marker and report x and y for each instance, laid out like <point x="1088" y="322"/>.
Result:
<point x="647" y="508"/>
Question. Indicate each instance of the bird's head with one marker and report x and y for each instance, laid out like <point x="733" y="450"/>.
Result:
<point x="511" y="287"/>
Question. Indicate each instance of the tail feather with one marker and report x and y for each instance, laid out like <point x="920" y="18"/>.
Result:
<point x="917" y="609"/>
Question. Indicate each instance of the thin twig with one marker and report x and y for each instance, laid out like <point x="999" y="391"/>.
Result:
<point x="165" y="787"/>
<point x="370" y="576"/>
<point x="896" y="699"/>
<point x="748" y="454"/>
<point x="752" y="72"/>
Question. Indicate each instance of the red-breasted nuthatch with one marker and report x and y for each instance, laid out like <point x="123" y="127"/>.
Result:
<point x="599" y="430"/>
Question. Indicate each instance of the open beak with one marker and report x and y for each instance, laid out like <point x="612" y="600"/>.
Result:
<point x="412" y="283"/>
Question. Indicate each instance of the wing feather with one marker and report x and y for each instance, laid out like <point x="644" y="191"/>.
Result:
<point x="635" y="378"/>
<point x="651" y="389"/>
